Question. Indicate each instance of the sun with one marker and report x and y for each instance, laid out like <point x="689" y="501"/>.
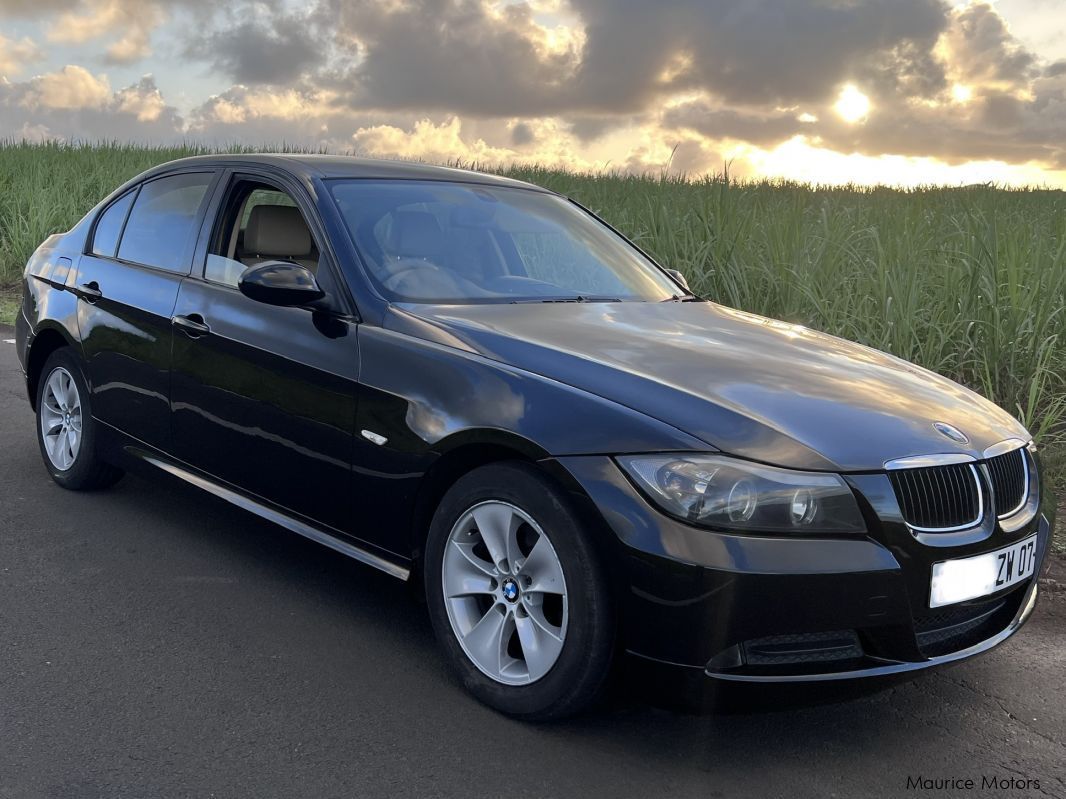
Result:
<point x="961" y="93"/>
<point x="852" y="105"/>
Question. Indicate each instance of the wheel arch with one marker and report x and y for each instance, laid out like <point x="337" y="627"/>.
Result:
<point x="47" y="340"/>
<point x="457" y="455"/>
<point x="463" y="452"/>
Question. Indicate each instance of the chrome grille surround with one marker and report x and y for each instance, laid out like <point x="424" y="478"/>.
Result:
<point x="934" y="497"/>
<point x="940" y="499"/>
<point x="1009" y="474"/>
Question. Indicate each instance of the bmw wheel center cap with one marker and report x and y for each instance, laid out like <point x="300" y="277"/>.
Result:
<point x="510" y="590"/>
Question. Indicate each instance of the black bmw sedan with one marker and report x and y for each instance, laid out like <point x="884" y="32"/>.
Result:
<point x="473" y="382"/>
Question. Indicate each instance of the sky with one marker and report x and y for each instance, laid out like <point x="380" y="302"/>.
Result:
<point x="904" y="92"/>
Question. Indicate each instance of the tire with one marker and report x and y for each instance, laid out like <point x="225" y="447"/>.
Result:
<point x="74" y="466"/>
<point x="546" y="653"/>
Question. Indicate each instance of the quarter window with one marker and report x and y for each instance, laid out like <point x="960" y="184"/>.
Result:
<point x="109" y="226"/>
<point x="161" y="228"/>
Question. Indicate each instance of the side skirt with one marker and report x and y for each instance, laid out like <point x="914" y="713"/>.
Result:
<point x="273" y="515"/>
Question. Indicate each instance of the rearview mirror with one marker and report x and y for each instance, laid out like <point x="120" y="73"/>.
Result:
<point x="280" y="283"/>
<point x="680" y="278"/>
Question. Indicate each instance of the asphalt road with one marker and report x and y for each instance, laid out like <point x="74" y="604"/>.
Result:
<point x="156" y="642"/>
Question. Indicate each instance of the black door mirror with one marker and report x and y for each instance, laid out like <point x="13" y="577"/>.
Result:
<point x="680" y="278"/>
<point x="280" y="283"/>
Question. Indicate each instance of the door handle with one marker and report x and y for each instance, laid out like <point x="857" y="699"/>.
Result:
<point x="90" y="291"/>
<point x="192" y="325"/>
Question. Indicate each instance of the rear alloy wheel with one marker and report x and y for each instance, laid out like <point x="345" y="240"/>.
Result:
<point x="65" y="428"/>
<point x="517" y="595"/>
<point x="60" y="419"/>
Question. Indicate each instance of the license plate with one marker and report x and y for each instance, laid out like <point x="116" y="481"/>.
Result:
<point x="968" y="578"/>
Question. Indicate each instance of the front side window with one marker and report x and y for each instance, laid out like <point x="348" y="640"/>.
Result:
<point x="433" y="241"/>
<point x="109" y="226"/>
<point x="259" y="224"/>
<point x="161" y="230"/>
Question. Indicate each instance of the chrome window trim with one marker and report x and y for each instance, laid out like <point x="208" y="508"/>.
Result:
<point x="968" y="525"/>
<point x="925" y="461"/>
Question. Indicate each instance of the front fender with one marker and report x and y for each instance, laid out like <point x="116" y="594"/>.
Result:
<point x="421" y="403"/>
<point x="423" y="397"/>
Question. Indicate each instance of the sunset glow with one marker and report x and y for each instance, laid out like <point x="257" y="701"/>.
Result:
<point x="978" y="90"/>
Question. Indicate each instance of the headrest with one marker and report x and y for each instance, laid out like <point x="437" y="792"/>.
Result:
<point x="415" y="234"/>
<point x="277" y="230"/>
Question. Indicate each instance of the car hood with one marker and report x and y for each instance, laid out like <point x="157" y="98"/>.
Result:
<point x="747" y="385"/>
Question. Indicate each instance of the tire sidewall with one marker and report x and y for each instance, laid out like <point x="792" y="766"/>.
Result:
<point x="84" y="463"/>
<point x="584" y="661"/>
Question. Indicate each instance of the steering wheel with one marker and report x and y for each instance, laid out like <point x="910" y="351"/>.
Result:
<point x="401" y="269"/>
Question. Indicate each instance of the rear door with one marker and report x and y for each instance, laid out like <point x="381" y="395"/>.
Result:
<point x="263" y="397"/>
<point x="139" y="252"/>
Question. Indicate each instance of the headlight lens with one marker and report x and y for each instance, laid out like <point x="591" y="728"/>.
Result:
<point x="718" y="491"/>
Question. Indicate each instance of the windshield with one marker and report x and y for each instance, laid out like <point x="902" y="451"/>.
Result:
<point x="437" y="242"/>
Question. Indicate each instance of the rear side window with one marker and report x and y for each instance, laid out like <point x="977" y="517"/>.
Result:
<point x="109" y="226"/>
<point x="161" y="228"/>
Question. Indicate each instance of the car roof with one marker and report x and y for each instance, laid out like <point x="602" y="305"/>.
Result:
<point x="342" y="166"/>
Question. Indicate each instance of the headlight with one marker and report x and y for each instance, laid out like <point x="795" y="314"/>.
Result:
<point x="719" y="491"/>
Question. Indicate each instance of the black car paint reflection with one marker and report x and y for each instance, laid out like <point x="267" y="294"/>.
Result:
<point x="353" y="418"/>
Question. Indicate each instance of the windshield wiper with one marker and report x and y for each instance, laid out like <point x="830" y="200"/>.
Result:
<point x="578" y="298"/>
<point x="683" y="298"/>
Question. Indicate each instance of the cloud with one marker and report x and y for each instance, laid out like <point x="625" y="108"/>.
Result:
<point x="16" y="54"/>
<point x="267" y="47"/>
<point x="70" y="88"/>
<point x="427" y="141"/>
<point x="132" y="20"/>
<point x="126" y="24"/>
<point x="74" y="104"/>
<point x="750" y="71"/>
<point x="981" y="49"/>
<point x="719" y="122"/>
<point x="473" y="57"/>
<point x="522" y="134"/>
<point x="305" y="115"/>
<point x="143" y="100"/>
<point x="975" y="94"/>
<point x="35" y="133"/>
<point x="34" y="8"/>
<point x="679" y="84"/>
<point x="760" y="52"/>
<point x="461" y="56"/>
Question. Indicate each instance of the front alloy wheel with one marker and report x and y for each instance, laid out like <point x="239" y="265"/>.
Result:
<point x="517" y="594"/>
<point x="505" y="593"/>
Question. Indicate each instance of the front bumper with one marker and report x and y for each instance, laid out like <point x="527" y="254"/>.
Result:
<point x="746" y="608"/>
<point x="23" y="334"/>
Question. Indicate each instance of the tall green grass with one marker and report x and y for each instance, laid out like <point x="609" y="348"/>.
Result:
<point x="970" y="282"/>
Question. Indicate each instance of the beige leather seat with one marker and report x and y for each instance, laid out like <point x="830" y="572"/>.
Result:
<point x="278" y="233"/>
